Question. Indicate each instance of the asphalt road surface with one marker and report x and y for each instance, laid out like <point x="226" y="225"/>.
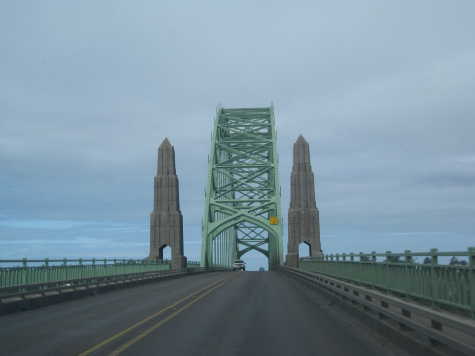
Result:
<point x="226" y="313"/>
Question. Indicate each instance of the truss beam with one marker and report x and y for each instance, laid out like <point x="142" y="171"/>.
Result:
<point x="242" y="200"/>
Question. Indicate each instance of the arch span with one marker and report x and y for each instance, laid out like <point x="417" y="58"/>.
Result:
<point x="242" y="205"/>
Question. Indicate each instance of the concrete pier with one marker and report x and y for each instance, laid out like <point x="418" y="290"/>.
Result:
<point x="166" y="220"/>
<point x="303" y="218"/>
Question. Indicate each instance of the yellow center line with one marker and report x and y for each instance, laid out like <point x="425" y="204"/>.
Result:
<point x="136" y="325"/>
<point x="161" y="322"/>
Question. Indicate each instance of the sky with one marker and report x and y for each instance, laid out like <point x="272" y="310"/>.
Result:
<point x="383" y="91"/>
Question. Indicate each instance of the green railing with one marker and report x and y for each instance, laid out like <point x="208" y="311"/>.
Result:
<point x="23" y="272"/>
<point x="193" y="264"/>
<point x="421" y="275"/>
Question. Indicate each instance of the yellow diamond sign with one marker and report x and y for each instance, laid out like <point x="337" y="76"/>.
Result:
<point x="273" y="220"/>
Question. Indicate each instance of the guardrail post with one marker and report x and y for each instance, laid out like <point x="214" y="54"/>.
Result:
<point x="433" y="274"/>
<point x="373" y="256"/>
<point x="408" y="282"/>
<point x="337" y="257"/>
<point x="471" y="278"/>
<point x="344" y="257"/>
<point x="65" y="274"/>
<point x="25" y="262"/>
<point x="471" y="256"/>
<point x="352" y="257"/>
<point x="434" y="256"/>
<point x="386" y="281"/>
<point x="48" y="274"/>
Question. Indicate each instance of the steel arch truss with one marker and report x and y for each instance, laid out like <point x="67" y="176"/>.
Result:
<point x="242" y="200"/>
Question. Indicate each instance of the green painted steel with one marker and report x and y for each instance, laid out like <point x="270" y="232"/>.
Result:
<point x="450" y="285"/>
<point x="26" y="272"/>
<point x="242" y="202"/>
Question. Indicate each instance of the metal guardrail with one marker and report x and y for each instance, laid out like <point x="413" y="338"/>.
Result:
<point x="193" y="264"/>
<point x="25" y="262"/>
<point x="28" y="272"/>
<point x="13" y="298"/>
<point x="450" y="286"/>
<point x="445" y="331"/>
<point x="29" y="262"/>
<point x="45" y="289"/>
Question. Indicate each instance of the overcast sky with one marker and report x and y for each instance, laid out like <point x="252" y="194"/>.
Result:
<point x="382" y="90"/>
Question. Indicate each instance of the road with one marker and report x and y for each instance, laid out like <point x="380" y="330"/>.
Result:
<point x="239" y="313"/>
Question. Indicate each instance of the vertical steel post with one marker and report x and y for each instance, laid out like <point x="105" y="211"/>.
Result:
<point x="471" y="278"/>
<point x="433" y="274"/>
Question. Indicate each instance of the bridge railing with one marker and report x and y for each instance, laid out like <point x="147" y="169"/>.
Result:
<point x="22" y="272"/>
<point x="193" y="264"/>
<point x="449" y="285"/>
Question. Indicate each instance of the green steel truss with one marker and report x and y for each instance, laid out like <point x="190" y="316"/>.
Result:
<point x="242" y="200"/>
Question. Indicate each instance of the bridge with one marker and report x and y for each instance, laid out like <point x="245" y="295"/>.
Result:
<point x="242" y="202"/>
<point x="387" y="303"/>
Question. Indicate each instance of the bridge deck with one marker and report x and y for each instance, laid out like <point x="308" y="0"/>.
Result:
<point x="241" y="313"/>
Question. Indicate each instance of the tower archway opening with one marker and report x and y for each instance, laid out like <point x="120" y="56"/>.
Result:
<point x="305" y="249"/>
<point x="165" y="253"/>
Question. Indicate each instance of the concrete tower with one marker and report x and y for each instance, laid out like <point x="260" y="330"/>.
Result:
<point x="304" y="224"/>
<point x="166" y="221"/>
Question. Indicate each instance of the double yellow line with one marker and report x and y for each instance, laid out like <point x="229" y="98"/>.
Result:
<point x="196" y="296"/>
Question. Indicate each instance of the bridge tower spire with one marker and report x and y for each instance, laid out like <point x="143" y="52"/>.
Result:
<point x="242" y="201"/>
<point x="166" y="220"/>
<point x="304" y="221"/>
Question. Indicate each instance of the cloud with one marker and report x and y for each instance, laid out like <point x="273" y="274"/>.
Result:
<point x="449" y="180"/>
<point x="383" y="93"/>
<point x="41" y="224"/>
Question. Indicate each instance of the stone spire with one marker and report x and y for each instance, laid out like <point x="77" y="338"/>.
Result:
<point x="166" y="221"/>
<point x="166" y="159"/>
<point x="304" y="224"/>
